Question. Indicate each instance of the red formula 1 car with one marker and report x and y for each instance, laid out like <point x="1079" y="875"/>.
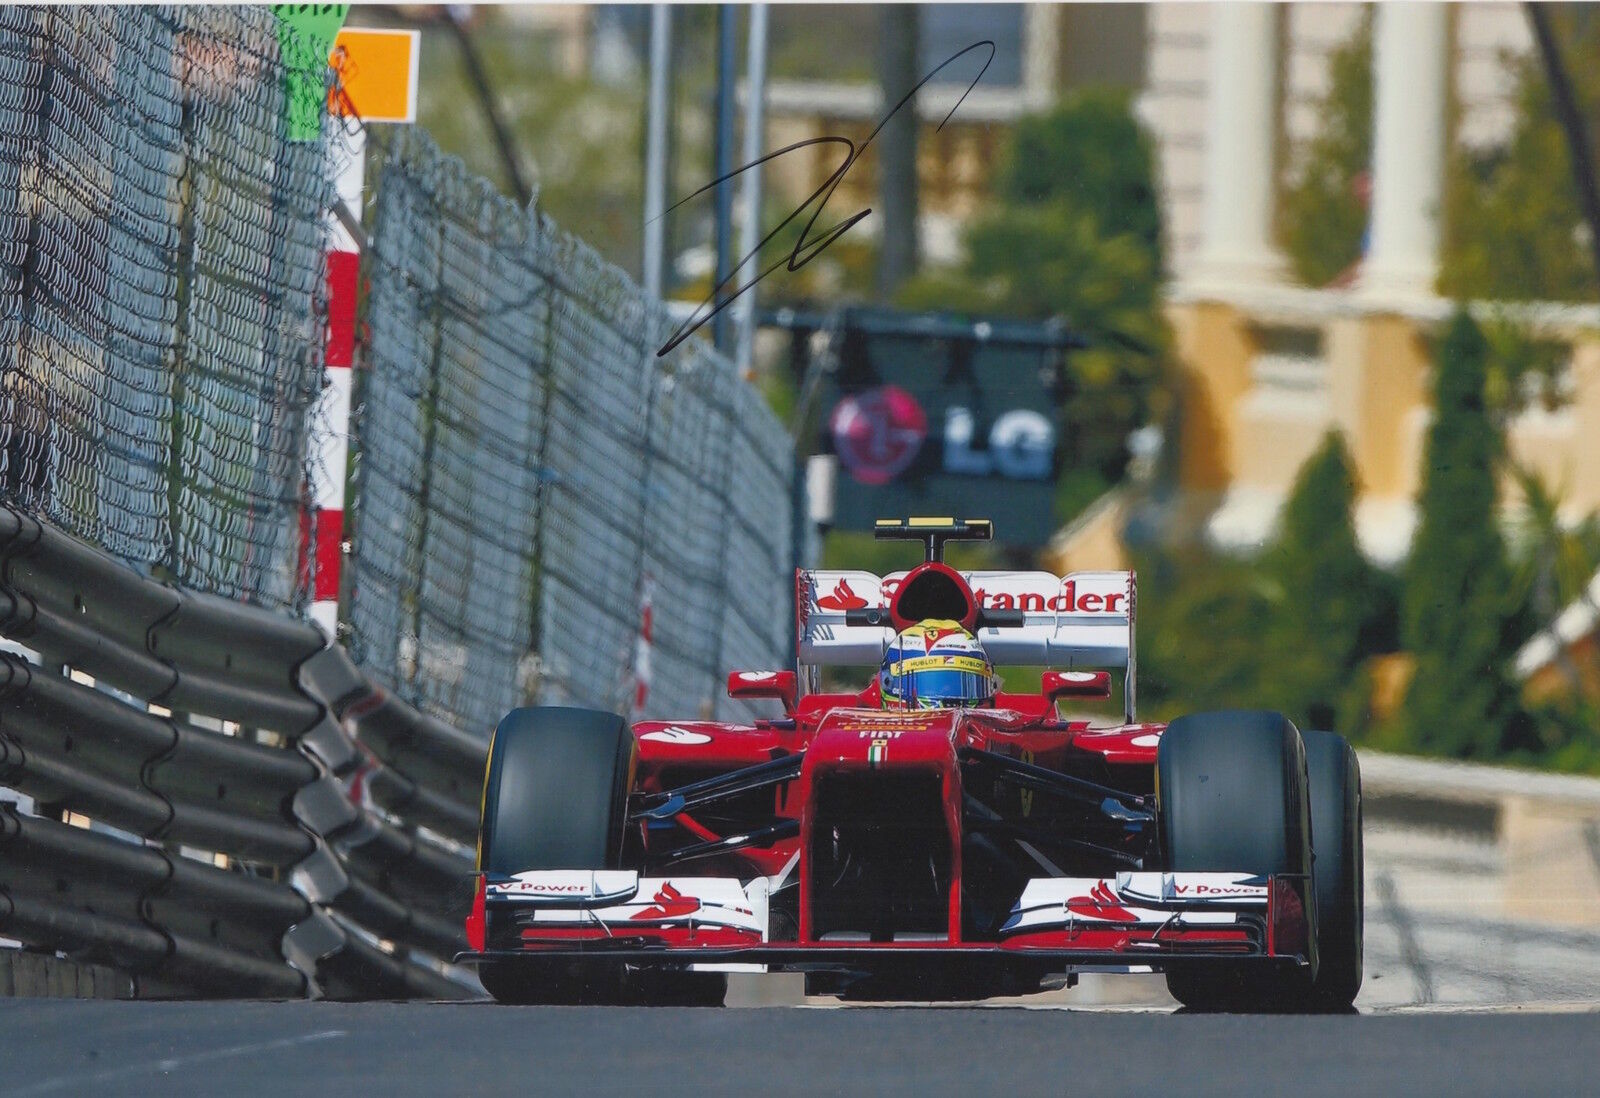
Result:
<point x="927" y="851"/>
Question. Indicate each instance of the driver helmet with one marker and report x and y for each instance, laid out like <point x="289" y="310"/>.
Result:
<point x="936" y="664"/>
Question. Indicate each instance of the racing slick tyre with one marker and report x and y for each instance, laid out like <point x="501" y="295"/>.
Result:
<point x="1232" y="794"/>
<point x="1336" y="868"/>
<point x="555" y="796"/>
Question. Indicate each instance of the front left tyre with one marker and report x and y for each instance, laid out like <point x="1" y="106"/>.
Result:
<point x="1233" y="795"/>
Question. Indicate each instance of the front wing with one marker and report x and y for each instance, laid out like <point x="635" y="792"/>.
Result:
<point x="1133" y="920"/>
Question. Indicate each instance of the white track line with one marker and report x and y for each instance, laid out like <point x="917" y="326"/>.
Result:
<point x="80" y="1083"/>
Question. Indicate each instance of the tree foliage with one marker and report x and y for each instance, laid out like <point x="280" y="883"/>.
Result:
<point x="1322" y="213"/>
<point x="1290" y="630"/>
<point x="1457" y="612"/>
<point x="1074" y="230"/>
<point x="1513" y="225"/>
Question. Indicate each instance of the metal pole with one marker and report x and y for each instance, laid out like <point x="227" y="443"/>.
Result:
<point x="755" y="82"/>
<point x="727" y="42"/>
<point x="655" y="163"/>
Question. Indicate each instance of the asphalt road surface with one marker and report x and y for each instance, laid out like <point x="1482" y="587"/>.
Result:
<point x="52" y="1047"/>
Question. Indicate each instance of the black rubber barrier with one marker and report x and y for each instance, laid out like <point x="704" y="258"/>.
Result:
<point x="237" y="662"/>
<point x="400" y="796"/>
<point x="47" y="713"/>
<point x="81" y="748"/>
<point x="409" y="868"/>
<point x="332" y="679"/>
<point x="80" y="607"/>
<point x="389" y="918"/>
<point x="89" y="937"/>
<point x="69" y="874"/>
<point x="211" y="968"/>
<point x="278" y="844"/>
<point x="363" y="971"/>
<point x="55" y="781"/>
<point x="446" y="760"/>
<point x="175" y="925"/>
<point x="229" y="774"/>
<point x="111" y="901"/>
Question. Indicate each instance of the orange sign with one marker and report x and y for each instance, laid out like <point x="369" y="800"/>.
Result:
<point x="377" y="72"/>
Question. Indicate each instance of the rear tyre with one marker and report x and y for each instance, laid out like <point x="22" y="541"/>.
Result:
<point x="554" y="797"/>
<point x="1232" y="794"/>
<point x="1337" y="868"/>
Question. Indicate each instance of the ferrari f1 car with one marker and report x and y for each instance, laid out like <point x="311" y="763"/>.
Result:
<point x="936" y="849"/>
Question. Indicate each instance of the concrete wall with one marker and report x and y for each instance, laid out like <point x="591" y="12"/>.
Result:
<point x="25" y="974"/>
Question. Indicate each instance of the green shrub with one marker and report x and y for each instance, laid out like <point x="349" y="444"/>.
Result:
<point x="1330" y="604"/>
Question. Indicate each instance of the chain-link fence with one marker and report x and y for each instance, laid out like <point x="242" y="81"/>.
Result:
<point x="160" y="287"/>
<point x="529" y="469"/>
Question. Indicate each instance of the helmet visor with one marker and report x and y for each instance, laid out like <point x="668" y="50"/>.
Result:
<point x="935" y="681"/>
<point x="940" y="688"/>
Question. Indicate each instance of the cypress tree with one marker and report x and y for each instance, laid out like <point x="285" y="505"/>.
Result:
<point x="1456" y="612"/>
<point x="1326" y="592"/>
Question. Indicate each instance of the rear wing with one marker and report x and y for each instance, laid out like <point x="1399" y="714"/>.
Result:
<point x="1082" y="620"/>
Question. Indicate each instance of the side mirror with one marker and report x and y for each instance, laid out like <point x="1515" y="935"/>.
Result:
<point x="1076" y="684"/>
<point x="765" y="684"/>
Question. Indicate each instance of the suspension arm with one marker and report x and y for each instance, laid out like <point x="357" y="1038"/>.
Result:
<point x="1116" y="804"/>
<point x="664" y="806"/>
<point x="762" y="837"/>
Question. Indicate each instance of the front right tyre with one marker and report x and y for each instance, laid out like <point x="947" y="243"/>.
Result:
<point x="556" y="797"/>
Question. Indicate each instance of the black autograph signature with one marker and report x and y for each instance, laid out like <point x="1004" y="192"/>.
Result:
<point x="805" y="249"/>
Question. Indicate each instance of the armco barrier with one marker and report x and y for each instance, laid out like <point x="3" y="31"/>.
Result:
<point x="340" y="867"/>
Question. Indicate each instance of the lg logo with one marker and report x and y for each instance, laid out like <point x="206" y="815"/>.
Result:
<point x="1021" y="445"/>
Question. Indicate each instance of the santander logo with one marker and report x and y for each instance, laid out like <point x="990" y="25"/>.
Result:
<point x="1065" y="599"/>
<point x="843" y="598"/>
